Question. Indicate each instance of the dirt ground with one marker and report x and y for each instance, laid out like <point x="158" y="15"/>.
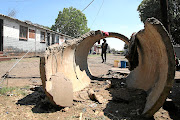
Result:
<point x="28" y="101"/>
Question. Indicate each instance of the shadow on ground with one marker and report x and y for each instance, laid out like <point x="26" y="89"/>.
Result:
<point x="172" y="105"/>
<point x="126" y="103"/>
<point x="21" y="77"/>
<point x="40" y="102"/>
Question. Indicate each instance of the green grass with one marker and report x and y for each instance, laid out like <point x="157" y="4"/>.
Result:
<point x="26" y="87"/>
<point x="14" y="90"/>
<point x="95" y="55"/>
<point x="5" y="90"/>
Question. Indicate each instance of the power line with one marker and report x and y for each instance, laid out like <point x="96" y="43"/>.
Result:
<point x="17" y="1"/>
<point x="7" y="73"/>
<point x="88" y="5"/>
<point x="81" y="11"/>
<point x="97" y="13"/>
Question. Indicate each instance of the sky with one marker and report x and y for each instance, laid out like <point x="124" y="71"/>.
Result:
<point x="119" y="16"/>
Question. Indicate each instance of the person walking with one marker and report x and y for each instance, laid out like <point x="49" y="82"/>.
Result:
<point x="104" y="49"/>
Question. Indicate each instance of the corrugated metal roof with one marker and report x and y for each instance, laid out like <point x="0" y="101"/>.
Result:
<point x="35" y="25"/>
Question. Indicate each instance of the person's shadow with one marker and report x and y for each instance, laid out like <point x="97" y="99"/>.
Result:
<point x="40" y="102"/>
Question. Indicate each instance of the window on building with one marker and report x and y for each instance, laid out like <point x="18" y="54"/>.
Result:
<point x="53" y="38"/>
<point x="31" y="33"/>
<point x="48" y="39"/>
<point x="57" y="39"/>
<point x="43" y="37"/>
<point x="23" y="33"/>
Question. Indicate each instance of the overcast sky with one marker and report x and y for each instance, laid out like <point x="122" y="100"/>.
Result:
<point x="108" y="15"/>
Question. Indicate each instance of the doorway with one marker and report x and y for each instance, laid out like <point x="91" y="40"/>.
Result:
<point x="48" y="39"/>
<point x="53" y="39"/>
<point x="1" y="35"/>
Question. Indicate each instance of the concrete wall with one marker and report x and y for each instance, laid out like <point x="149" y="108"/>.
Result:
<point x="12" y="43"/>
<point x="40" y="46"/>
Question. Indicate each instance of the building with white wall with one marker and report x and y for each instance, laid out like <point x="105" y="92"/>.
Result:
<point x="17" y="36"/>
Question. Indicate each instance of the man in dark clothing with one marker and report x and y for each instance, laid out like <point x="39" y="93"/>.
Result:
<point x="104" y="48"/>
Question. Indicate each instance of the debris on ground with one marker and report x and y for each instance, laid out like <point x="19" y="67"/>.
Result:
<point x="33" y="103"/>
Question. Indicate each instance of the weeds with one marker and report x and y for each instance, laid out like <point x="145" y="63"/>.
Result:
<point x="14" y="91"/>
<point x="5" y="90"/>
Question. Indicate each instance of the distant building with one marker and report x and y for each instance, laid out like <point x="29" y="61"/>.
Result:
<point x="17" y="36"/>
<point x="96" y="48"/>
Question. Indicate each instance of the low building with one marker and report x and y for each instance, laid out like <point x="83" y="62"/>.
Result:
<point x="96" y="49"/>
<point x="17" y="36"/>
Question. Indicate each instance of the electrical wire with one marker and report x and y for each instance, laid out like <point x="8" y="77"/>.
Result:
<point x="6" y="75"/>
<point x="88" y="5"/>
<point x="78" y="14"/>
<point x="97" y="13"/>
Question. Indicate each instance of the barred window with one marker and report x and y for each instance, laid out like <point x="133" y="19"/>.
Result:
<point x="53" y="39"/>
<point x="42" y="36"/>
<point x="23" y="33"/>
<point x="57" y="39"/>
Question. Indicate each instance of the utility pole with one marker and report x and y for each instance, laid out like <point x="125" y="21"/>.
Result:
<point x="164" y="13"/>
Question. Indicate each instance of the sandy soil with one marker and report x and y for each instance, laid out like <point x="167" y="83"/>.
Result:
<point x="33" y="104"/>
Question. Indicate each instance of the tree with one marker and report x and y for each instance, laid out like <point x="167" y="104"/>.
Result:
<point x="151" y="8"/>
<point x="71" y="22"/>
<point x="175" y="20"/>
<point x="113" y="51"/>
